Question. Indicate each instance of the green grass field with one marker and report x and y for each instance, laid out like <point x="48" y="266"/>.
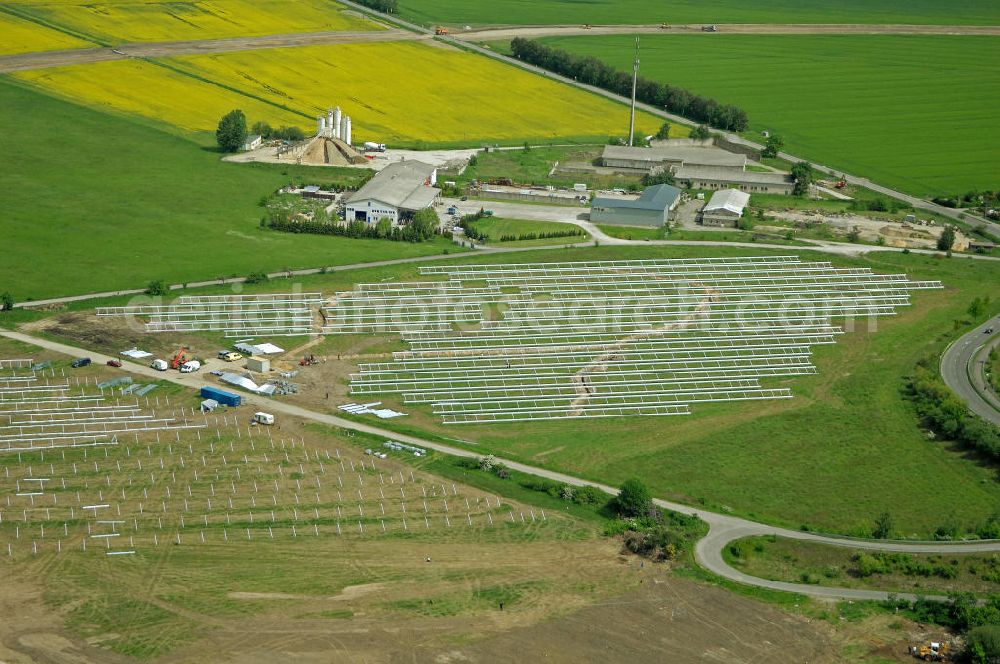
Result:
<point x="108" y="202"/>
<point x="525" y="12"/>
<point x="914" y="113"/>
<point x="808" y="562"/>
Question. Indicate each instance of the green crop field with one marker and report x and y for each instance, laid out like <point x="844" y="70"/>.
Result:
<point x="847" y="447"/>
<point x="915" y="113"/>
<point x="107" y="203"/>
<point x="527" y="12"/>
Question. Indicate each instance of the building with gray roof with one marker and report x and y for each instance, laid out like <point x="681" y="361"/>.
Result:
<point x="715" y="177"/>
<point x="652" y="208"/>
<point x="645" y="159"/>
<point x="397" y="191"/>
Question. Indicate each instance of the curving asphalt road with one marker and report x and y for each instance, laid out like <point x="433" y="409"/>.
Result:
<point x="962" y="370"/>
<point x="723" y="528"/>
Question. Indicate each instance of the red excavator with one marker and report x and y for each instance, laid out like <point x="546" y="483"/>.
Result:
<point x="179" y="359"/>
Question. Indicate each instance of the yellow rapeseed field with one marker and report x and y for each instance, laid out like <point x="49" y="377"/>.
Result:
<point x="394" y="92"/>
<point x="129" y="21"/>
<point x="134" y="86"/>
<point x="17" y="36"/>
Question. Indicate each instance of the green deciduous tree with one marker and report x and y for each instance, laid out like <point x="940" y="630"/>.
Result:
<point x="802" y="172"/>
<point x="947" y="239"/>
<point x="633" y="499"/>
<point x="701" y="132"/>
<point x="232" y="131"/>
<point x="883" y="526"/>
<point x="984" y="644"/>
<point x="663" y="132"/>
<point x="773" y="146"/>
<point x="261" y="128"/>
<point x="156" y="287"/>
<point x="6" y="302"/>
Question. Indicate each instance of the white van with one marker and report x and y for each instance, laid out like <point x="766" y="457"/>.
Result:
<point x="263" y="418"/>
<point x="159" y="365"/>
<point x="190" y="367"/>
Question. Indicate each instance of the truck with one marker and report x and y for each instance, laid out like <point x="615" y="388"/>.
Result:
<point x="190" y="366"/>
<point x="159" y="365"/>
<point x="222" y="396"/>
<point x="374" y="147"/>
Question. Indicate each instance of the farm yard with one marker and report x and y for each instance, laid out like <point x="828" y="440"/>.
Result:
<point x="431" y="96"/>
<point x="116" y="22"/>
<point x="829" y="97"/>
<point x="610" y="12"/>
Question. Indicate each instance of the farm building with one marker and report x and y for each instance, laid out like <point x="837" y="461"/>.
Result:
<point x="717" y="177"/>
<point x="646" y="159"/>
<point x="725" y="208"/>
<point x="252" y="142"/>
<point x="652" y="208"/>
<point x="396" y="192"/>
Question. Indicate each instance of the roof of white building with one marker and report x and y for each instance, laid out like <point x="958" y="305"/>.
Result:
<point x="402" y="184"/>
<point x="731" y="200"/>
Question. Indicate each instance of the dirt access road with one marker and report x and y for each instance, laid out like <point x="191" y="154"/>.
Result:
<point x="48" y="59"/>
<point x="723" y="528"/>
<point x="531" y="32"/>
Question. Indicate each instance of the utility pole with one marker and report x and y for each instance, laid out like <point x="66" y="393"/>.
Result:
<point x="635" y="77"/>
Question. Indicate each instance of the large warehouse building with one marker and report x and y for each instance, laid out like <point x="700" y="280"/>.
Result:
<point x="396" y="192"/>
<point x="717" y="177"/>
<point x="623" y="157"/>
<point x="652" y="208"/>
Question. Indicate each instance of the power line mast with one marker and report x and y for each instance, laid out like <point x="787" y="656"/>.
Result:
<point x="635" y="77"/>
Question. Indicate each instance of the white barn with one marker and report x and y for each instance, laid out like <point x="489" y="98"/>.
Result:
<point x="725" y="208"/>
<point x="401" y="188"/>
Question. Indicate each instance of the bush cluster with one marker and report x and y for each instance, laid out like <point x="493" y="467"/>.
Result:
<point x="594" y="72"/>
<point x="947" y="415"/>
<point x="868" y="564"/>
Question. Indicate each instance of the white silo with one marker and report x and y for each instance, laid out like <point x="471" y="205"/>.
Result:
<point x="329" y="123"/>
<point x="320" y="125"/>
<point x="337" y="127"/>
<point x="345" y="130"/>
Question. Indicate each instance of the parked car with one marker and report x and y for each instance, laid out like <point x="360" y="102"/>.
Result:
<point x="80" y="362"/>
<point x="115" y="363"/>
<point x="232" y="356"/>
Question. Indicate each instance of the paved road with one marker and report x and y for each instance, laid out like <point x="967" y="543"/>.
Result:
<point x="723" y="528"/>
<point x="535" y="31"/>
<point x="79" y="56"/>
<point x="963" y="373"/>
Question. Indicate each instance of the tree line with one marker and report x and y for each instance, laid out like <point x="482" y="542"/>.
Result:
<point x="385" y="6"/>
<point x="592" y="71"/>
<point x="422" y="227"/>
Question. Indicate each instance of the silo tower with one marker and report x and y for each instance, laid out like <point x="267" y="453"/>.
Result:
<point x="337" y="127"/>
<point x="345" y="130"/>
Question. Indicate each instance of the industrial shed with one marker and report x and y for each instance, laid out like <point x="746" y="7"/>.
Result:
<point x="627" y="158"/>
<point x="725" y="208"/>
<point x="398" y="190"/>
<point x="652" y="208"/>
<point x="711" y="177"/>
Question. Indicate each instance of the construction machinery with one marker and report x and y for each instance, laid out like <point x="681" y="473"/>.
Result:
<point x="841" y="183"/>
<point x="440" y="30"/>
<point x="932" y="652"/>
<point x="664" y="26"/>
<point x="179" y="358"/>
<point x="586" y="26"/>
<point x="709" y="28"/>
<point x="308" y="361"/>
